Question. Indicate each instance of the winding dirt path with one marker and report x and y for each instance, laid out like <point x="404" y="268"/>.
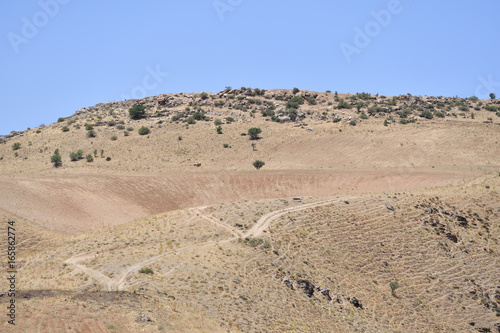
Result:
<point x="120" y="282"/>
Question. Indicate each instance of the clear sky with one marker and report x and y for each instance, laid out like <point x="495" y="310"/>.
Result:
<point x="60" y="55"/>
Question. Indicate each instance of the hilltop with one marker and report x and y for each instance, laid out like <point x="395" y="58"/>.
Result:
<point x="369" y="214"/>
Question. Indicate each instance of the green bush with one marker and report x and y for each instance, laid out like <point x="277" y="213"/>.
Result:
<point x="219" y="103"/>
<point x="178" y="117"/>
<point x="311" y="100"/>
<point x="191" y="120"/>
<point x="254" y="133"/>
<point x="91" y="134"/>
<point x="203" y="95"/>
<point x="258" y="164"/>
<point x="229" y="120"/>
<point x="137" y="111"/>
<point x="427" y="114"/>
<point x="120" y="127"/>
<point x="343" y="104"/>
<point x="61" y="119"/>
<point x="439" y="114"/>
<point x="56" y="159"/>
<point x="295" y="90"/>
<point x="111" y="123"/>
<point x="217" y="122"/>
<point x="463" y="108"/>
<point x="130" y="129"/>
<point x="89" y="158"/>
<point x="73" y="156"/>
<point x="16" y="146"/>
<point x="490" y="107"/>
<point x="219" y="129"/>
<point x="108" y="159"/>
<point x="352" y="123"/>
<point x="336" y="120"/>
<point x="146" y="271"/>
<point x="114" y="137"/>
<point x="89" y="127"/>
<point x="199" y="115"/>
<point x="363" y="116"/>
<point x="493" y="96"/>
<point x="65" y="129"/>
<point x="144" y="130"/>
<point x="225" y="145"/>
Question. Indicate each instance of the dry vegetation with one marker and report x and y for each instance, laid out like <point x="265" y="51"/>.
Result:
<point x="347" y="228"/>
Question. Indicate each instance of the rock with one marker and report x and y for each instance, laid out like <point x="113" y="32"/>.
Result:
<point x="462" y="221"/>
<point x="309" y="129"/>
<point x="354" y="301"/>
<point x="143" y="318"/>
<point x="325" y="293"/>
<point x="483" y="330"/>
<point x="307" y="286"/>
<point x="390" y="207"/>
<point x="288" y="283"/>
<point x="452" y="237"/>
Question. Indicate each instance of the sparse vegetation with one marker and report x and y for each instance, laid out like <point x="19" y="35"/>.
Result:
<point x="65" y="129"/>
<point x="114" y="137"/>
<point x="56" y="159"/>
<point x="137" y="111"/>
<point x="146" y="270"/>
<point x="16" y="146"/>
<point x="91" y="134"/>
<point x="144" y="130"/>
<point x="219" y="129"/>
<point x="89" y="158"/>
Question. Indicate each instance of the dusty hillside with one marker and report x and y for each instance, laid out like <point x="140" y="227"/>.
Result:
<point x="371" y="214"/>
<point x="416" y="261"/>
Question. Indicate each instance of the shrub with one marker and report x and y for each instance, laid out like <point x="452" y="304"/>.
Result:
<point x="490" y="107"/>
<point x="439" y="114"/>
<point x="258" y="164"/>
<point x="144" y="130"/>
<point x="229" y="120"/>
<point x="120" y="127"/>
<point x="394" y="286"/>
<point x="95" y="152"/>
<point x="219" y="103"/>
<point x="130" y="129"/>
<point x="493" y="96"/>
<point x="427" y="114"/>
<point x="219" y="129"/>
<point x="267" y="113"/>
<point x="89" y="127"/>
<point x="89" y="158"/>
<point x="65" y="129"/>
<point x="16" y="146"/>
<point x="254" y="133"/>
<point x="336" y="120"/>
<point x="363" y="95"/>
<point x="217" y="122"/>
<point x="179" y="138"/>
<point x="203" y="95"/>
<point x="191" y="120"/>
<point x="363" y="116"/>
<point x="463" y="108"/>
<point x="137" y="111"/>
<point x="178" y="117"/>
<point x="61" y="119"/>
<point x="311" y="100"/>
<point x="295" y="90"/>
<point x="146" y="271"/>
<point x="343" y="104"/>
<point x="114" y="137"/>
<point x="73" y="156"/>
<point x="56" y="159"/>
<point x="199" y="115"/>
<point x="108" y="158"/>
<point x="225" y="145"/>
<point x="498" y="114"/>
<point x="352" y="123"/>
<point x="111" y="123"/>
<point x="295" y="102"/>
<point x="91" y="134"/>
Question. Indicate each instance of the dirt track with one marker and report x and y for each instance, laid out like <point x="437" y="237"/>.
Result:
<point x="82" y="202"/>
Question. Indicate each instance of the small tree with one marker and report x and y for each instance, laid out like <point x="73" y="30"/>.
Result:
<point x="56" y="159"/>
<point x="253" y="146"/>
<point x="90" y="158"/>
<point x="204" y="95"/>
<point x="254" y="133"/>
<point x="219" y="130"/>
<point x="137" y="111"/>
<point x="91" y="134"/>
<point x="295" y="90"/>
<point x="16" y="146"/>
<point x="65" y="129"/>
<point x="493" y="96"/>
<point x="258" y="164"/>
<point x="144" y="130"/>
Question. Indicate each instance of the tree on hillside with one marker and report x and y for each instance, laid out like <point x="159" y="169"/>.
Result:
<point x="56" y="159"/>
<point x="493" y="96"/>
<point x="295" y="90"/>
<point x="254" y="133"/>
<point x="137" y="111"/>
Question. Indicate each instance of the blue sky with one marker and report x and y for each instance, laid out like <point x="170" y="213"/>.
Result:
<point x="60" y="55"/>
